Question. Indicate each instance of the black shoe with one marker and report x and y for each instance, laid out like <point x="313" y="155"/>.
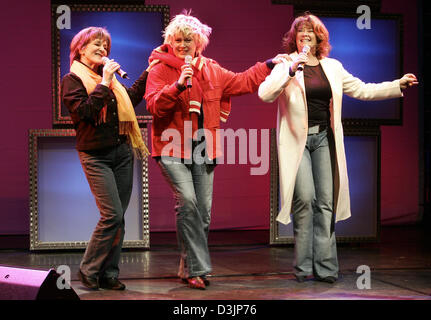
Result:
<point x="327" y="279"/>
<point x="89" y="282"/>
<point x="300" y="278"/>
<point x="111" y="284"/>
<point x="206" y="281"/>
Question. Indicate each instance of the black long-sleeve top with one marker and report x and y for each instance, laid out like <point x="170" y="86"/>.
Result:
<point x="319" y="94"/>
<point x="84" y="110"/>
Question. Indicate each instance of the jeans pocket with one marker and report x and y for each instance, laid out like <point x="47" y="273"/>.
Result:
<point x="322" y="139"/>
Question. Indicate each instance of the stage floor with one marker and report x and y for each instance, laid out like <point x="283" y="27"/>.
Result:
<point x="245" y="267"/>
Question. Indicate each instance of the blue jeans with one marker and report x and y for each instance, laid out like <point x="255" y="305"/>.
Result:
<point x="109" y="174"/>
<point x="313" y="217"/>
<point x="192" y="186"/>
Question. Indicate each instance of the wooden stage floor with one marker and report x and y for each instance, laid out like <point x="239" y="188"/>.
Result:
<point x="245" y="267"/>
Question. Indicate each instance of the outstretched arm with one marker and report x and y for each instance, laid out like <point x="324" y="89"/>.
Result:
<point x="408" y="80"/>
<point x="249" y="80"/>
<point x="356" y="88"/>
<point x="274" y="84"/>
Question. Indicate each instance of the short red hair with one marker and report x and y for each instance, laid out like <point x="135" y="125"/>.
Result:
<point x="322" y="35"/>
<point x="84" y="37"/>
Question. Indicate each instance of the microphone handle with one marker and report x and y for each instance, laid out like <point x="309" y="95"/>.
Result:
<point x="122" y="74"/>
<point x="188" y="60"/>
<point x="188" y="80"/>
<point x="305" y="50"/>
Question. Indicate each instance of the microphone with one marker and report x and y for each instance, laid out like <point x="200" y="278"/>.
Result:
<point x="188" y="59"/>
<point x="121" y="73"/>
<point x="305" y="50"/>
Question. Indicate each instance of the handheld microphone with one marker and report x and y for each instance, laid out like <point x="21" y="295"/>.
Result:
<point x="121" y="73"/>
<point x="305" y="50"/>
<point x="188" y="59"/>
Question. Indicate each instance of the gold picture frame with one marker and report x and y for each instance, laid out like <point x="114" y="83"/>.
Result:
<point x="144" y="25"/>
<point x="348" y="231"/>
<point x="56" y="139"/>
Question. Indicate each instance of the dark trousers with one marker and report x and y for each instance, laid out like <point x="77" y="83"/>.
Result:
<point x="109" y="173"/>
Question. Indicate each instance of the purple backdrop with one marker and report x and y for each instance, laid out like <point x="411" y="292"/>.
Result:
<point x="243" y="32"/>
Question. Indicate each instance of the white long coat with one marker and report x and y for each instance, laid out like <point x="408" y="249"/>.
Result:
<point x="292" y="124"/>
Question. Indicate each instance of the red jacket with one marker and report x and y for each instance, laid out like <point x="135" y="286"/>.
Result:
<point x="170" y="106"/>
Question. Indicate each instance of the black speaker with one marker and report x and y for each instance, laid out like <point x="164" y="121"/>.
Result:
<point x="27" y="284"/>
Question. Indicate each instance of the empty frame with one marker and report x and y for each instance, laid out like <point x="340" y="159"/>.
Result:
<point x="363" y="165"/>
<point x="63" y="212"/>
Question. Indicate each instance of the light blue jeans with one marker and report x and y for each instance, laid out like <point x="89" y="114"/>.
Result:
<point x="192" y="186"/>
<point x="109" y="174"/>
<point x="313" y="217"/>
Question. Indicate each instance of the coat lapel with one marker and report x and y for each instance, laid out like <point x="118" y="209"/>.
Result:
<point x="331" y="76"/>
<point x="329" y="73"/>
<point x="300" y="78"/>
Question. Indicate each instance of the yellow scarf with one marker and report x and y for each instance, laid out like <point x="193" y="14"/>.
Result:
<point x="126" y="114"/>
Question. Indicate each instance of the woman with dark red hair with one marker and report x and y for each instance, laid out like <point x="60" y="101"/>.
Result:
<point x="107" y="137"/>
<point x="314" y="185"/>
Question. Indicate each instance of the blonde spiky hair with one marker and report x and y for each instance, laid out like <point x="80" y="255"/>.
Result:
<point x="188" y="25"/>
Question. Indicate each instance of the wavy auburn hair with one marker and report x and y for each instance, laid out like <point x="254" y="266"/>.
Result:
<point x="84" y="37"/>
<point x="322" y="35"/>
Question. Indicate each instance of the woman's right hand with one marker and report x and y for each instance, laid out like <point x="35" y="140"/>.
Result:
<point x="186" y="72"/>
<point x="300" y="58"/>
<point x="109" y="69"/>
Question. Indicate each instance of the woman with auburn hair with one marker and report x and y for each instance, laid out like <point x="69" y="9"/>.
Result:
<point x="314" y="185"/>
<point x="107" y="134"/>
<point x="187" y="99"/>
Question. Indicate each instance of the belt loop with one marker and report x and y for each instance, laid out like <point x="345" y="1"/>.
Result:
<point x="313" y="130"/>
<point x="316" y="129"/>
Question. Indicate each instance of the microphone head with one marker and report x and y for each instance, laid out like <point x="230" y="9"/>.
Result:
<point x="188" y="59"/>
<point x="306" y="49"/>
<point x="105" y="60"/>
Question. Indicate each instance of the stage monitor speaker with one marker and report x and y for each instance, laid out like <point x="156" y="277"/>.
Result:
<point x="27" y="284"/>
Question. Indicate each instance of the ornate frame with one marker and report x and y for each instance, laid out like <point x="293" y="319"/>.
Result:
<point x="59" y="120"/>
<point x="275" y="237"/>
<point x="347" y="9"/>
<point x="398" y="18"/>
<point x="35" y="244"/>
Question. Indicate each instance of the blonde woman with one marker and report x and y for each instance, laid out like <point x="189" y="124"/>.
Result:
<point x="192" y="114"/>
<point x="313" y="174"/>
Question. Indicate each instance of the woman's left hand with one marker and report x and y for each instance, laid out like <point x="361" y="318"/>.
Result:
<point x="408" y="80"/>
<point x="279" y="58"/>
<point x="152" y="64"/>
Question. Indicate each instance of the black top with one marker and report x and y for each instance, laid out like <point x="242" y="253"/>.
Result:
<point x="318" y="93"/>
<point x="84" y="110"/>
